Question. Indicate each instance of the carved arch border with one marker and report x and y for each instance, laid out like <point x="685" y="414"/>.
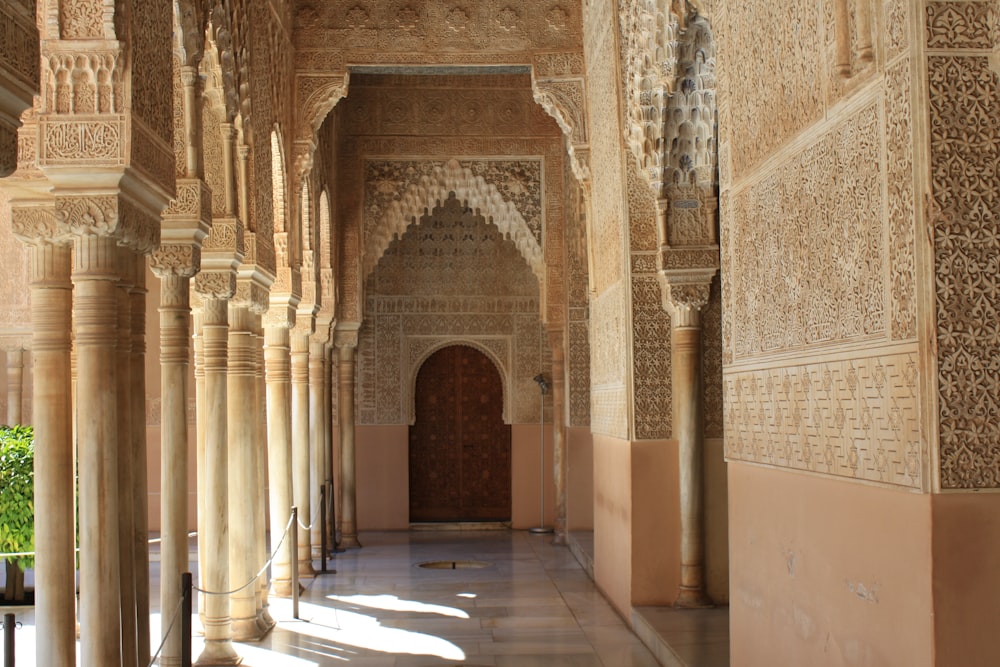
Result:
<point x="474" y="191"/>
<point x="415" y="357"/>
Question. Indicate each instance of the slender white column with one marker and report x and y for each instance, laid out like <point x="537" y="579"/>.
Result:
<point x="214" y="568"/>
<point x="201" y="406"/>
<point x="560" y="461"/>
<point x="175" y="317"/>
<point x="279" y="449"/>
<point x="15" y="384"/>
<point x="300" y="448"/>
<point x="55" y="587"/>
<point x="126" y="516"/>
<point x="346" y="346"/>
<point x="328" y="474"/>
<point x="264" y="620"/>
<point x="95" y="314"/>
<point x="686" y="304"/>
<point x="242" y="475"/>
<point x="140" y="484"/>
<point x="317" y="441"/>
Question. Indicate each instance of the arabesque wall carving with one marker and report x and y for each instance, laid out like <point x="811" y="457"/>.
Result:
<point x="452" y="279"/>
<point x="966" y="204"/>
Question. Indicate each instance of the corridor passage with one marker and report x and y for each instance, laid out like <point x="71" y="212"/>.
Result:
<point x="531" y="605"/>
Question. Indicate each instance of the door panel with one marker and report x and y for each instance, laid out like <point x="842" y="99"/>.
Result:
<point x="459" y="445"/>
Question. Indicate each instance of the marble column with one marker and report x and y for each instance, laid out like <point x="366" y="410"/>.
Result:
<point x="55" y="586"/>
<point x="175" y="330"/>
<point x="328" y="473"/>
<point x="301" y="447"/>
<point x="15" y="385"/>
<point x="317" y="441"/>
<point x="95" y="316"/>
<point x="560" y="458"/>
<point x="686" y="301"/>
<point x="241" y="392"/>
<point x="347" y="342"/>
<point x="214" y="569"/>
<point x="140" y="484"/>
<point x="264" y="619"/>
<point x="200" y="408"/>
<point x="277" y="373"/>
<point x="126" y="473"/>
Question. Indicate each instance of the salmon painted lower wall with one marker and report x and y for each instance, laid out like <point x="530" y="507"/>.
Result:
<point x="636" y="521"/>
<point x="383" y="484"/>
<point x="966" y="578"/>
<point x="580" y="509"/>
<point x="827" y="572"/>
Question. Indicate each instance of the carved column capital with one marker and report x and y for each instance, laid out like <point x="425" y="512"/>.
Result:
<point x="215" y="284"/>
<point x="685" y="295"/>
<point x="345" y="335"/>
<point x="176" y="259"/>
<point x="251" y="295"/>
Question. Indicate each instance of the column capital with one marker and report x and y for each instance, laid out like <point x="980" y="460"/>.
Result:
<point x="252" y="295"/>
<point x="188" y="216"/>
<point x="685" y="294"/>
<point x="112" y="215"/>
<point x="345" y="335"/>
<point x="215" y="284"/>
<point x="176" y="259"/>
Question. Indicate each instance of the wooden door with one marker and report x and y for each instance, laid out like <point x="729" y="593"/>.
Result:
<point x="459" y="445"/>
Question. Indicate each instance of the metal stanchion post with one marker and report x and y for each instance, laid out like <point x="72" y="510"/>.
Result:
<point x="186" y="619"/>
<point x="294" y="535"/>
<point x="8" y="640"/>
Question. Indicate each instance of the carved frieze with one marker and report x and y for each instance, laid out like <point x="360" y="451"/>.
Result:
<point x="857" y="418"/>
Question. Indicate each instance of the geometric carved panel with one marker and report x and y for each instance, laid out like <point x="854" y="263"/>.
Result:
<point x="856" y="418"/>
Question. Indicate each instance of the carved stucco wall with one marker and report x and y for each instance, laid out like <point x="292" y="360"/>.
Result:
<point x="451" y="278"/>
<point x="964" y="98"/>
<point x="15" y="279"/>
<point x="609" y="317"/>
<point x="818" y="247"/>
<point x="407" y="141"/>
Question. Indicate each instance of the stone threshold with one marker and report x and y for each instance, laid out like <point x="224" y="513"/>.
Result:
<point x="461" y="525"/>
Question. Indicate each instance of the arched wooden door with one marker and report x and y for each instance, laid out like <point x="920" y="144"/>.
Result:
<point x="459" y="445"/>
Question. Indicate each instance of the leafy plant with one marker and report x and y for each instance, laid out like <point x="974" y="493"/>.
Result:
<point x="17" y="503"/>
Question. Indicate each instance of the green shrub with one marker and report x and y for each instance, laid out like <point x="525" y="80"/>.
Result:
<point x="17" y="492"/>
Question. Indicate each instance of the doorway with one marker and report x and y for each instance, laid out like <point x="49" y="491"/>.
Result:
<point x="460" y="458"/>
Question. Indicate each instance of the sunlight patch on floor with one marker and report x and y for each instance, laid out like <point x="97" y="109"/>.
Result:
<point x="393" y="603"/>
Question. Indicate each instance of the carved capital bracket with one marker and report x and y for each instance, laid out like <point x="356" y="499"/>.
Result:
<point x="188" y="217"/>
<point x="685" y="294"/>
<point x="176" y="259"/>
<point x="36" y="223"/>
<point x="215" y="284"/>
<point x="222" y="250"/>
<point x="115" y="216"/>
<point x="346" y="334"/>
<point x="281" y="311"/>
<point x="252" y="295"/>
<point x="18" y="76"/>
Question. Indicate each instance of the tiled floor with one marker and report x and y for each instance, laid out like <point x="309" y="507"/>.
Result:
<point x="533" y="605"/>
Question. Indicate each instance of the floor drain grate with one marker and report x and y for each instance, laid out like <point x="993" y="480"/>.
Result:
<point x="454" y="564"/>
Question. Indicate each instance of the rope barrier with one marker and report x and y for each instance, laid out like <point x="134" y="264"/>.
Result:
<point x="166" y="635"/>
<point x="267" y="564"/>
<point x="31" y="554"/>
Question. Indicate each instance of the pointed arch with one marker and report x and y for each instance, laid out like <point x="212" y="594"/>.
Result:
<point x="474" y="192"/>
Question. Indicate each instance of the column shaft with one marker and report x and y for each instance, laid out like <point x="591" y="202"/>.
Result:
<point x="317" y="451"/>
<point x="349" y="524"/>
<point x="126" y="516"/>
<point x="264" y="619"/>
<point x="200" y="410"/>
<point x="175" y="315"/>
<point x="300" y="448"/>
<point x="215" y="564"/>
<point x="560" y="460"/>
<point x="686" y="360"/>
<point x="279" y="450"/>
<point x="55" y="586"/>
<point x="242" y="476"/>
<point x="140" y="484"/>
<point x="95" y="336"/>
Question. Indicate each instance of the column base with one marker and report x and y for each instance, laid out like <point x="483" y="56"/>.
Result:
<point x="247" y="630"/>
<point x="218" y="653"/>
<point x="265" y="623"/>
<point x="693" y="598"/>
<point x="349" y="542"/>
<point x="306" y="570"/>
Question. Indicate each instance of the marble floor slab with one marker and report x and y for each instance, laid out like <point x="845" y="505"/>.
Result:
<point x="532" y="605"/>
